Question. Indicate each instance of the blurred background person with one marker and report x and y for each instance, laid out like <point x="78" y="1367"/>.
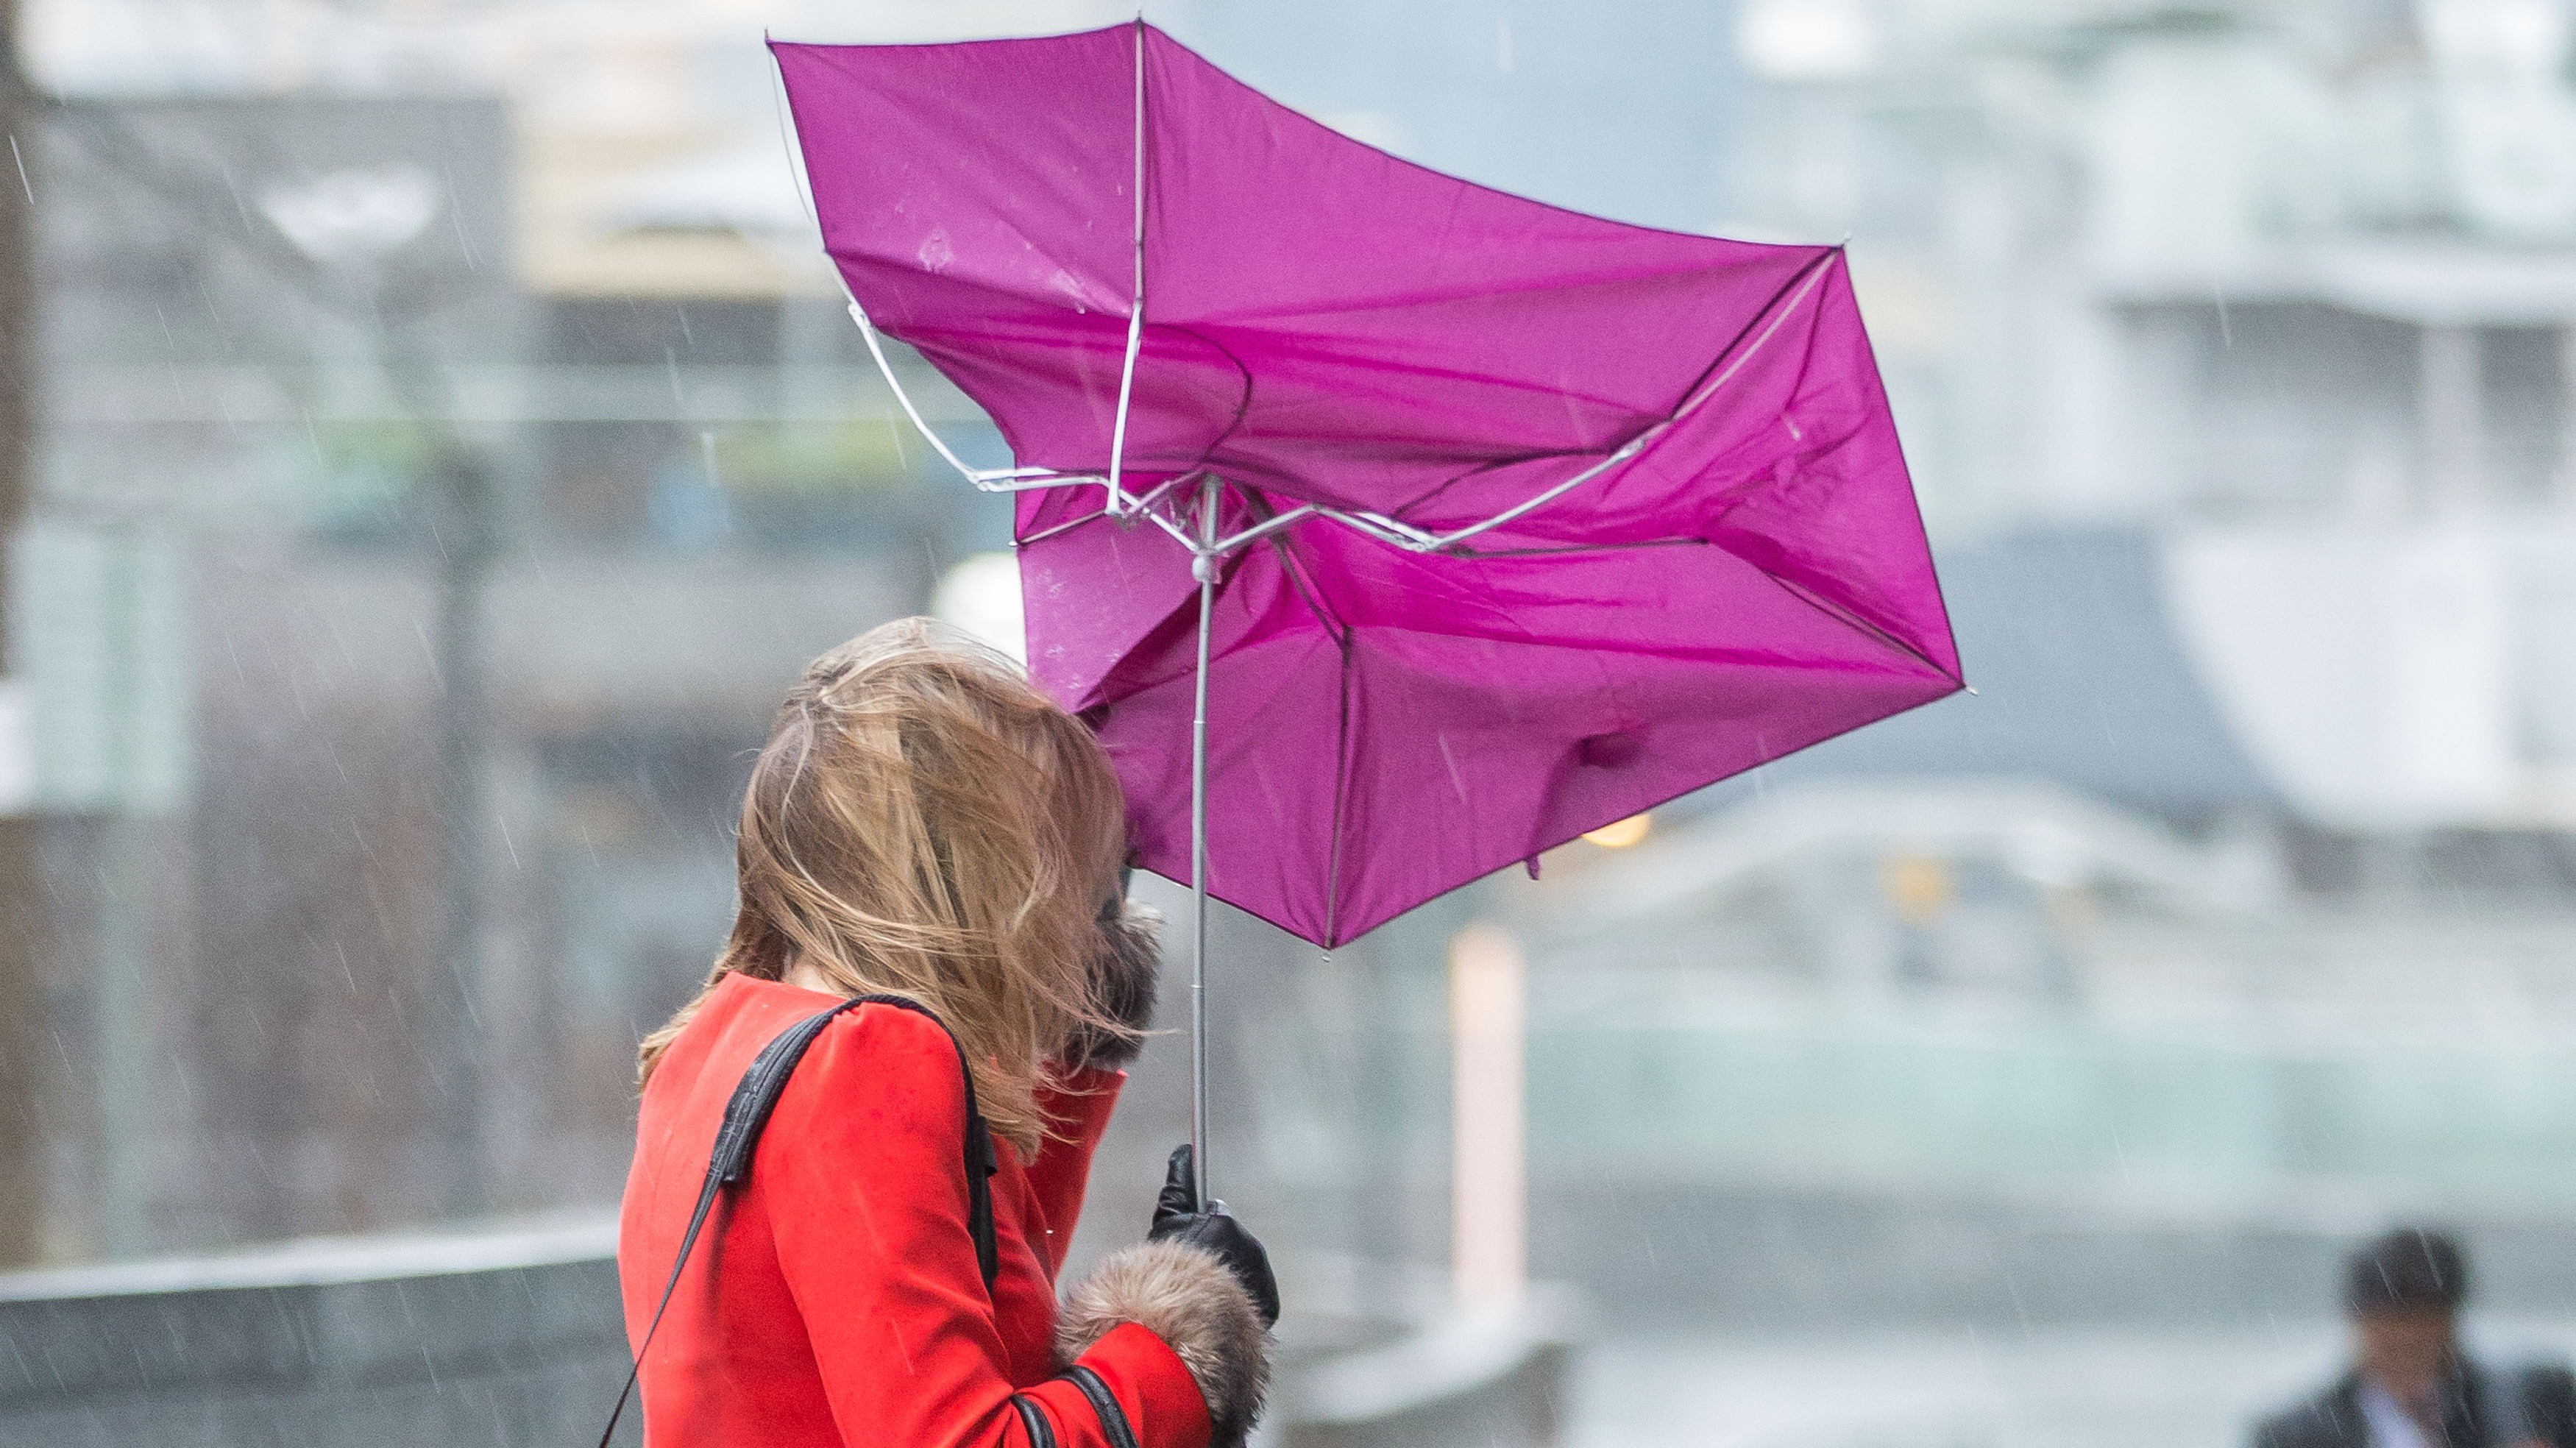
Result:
<point x="2412" y="1383"/>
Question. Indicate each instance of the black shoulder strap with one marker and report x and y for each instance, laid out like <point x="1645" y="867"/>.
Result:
<point x="747" y="1112"/>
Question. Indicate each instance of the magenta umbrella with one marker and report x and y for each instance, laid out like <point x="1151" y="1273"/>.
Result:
<point x="1388" y="529"/>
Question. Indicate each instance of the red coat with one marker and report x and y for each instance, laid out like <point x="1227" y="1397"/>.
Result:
<point x="836" y="1300"/>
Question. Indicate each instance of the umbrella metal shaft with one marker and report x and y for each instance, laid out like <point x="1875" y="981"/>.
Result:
<point x="1204" y="565"/>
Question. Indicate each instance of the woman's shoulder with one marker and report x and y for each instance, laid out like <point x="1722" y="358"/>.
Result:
<point x="743" y="1014"/>
<point x="881" y="1035"/>
<point x="879" y="1093"/>
<point x="873" y="1069"/>
<point x="737" y="1017"/>
<point x="893" y="1057"/>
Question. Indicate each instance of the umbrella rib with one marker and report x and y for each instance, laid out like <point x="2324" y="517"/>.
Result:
<point x="1560" y="552"/>
<point x="1701" y="389"/>
<point x="1152" y="496"/>
<point x="1201" y="464"/>
<point x="1857" y="624"/>
<point x="1711" y="378"/>
<point x="1415" y="367"/>
<point x="1641" y="441"/>
<point x="1386" y="528"/>
<point x="1242" y="405"/>
<point x="1840" y="613"/>
<point x="989" y="480"/>
<point x="1295" y="568"/>
<point x="1467" y="292"/>
<point x="876" y="349"/>
<point x="1136" y="307"/>
<point x="1491" y="465"/>
<point x="1793" y="289"/>
<point x="1348" y="647"/>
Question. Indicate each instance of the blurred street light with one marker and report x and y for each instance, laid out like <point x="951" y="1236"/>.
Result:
<point x="1919" y="888"/>
<point x="1620" y="834"/>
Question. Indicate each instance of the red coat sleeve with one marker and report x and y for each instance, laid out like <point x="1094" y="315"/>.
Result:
<point x="1079" y="1106"/>
<point x="862" y="1177"/>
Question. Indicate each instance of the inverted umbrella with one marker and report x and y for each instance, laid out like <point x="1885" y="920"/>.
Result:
<point x="1388" y="529"/>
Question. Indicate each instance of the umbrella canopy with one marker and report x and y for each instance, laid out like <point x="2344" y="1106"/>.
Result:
<point x="1553" y="518"/>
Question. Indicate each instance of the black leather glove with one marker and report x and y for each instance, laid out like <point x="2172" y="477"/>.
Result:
<point x="1179" y="1218"/>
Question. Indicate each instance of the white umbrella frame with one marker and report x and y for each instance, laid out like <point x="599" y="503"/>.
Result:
<point x="1168" y="508"/>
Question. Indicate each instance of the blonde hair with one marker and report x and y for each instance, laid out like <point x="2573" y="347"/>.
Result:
<point x="925" y="823"/>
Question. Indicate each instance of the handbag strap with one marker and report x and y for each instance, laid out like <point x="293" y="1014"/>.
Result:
<point x="747" y="1113"/>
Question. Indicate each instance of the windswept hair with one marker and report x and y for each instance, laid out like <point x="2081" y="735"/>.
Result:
<point x="923" y="822"/>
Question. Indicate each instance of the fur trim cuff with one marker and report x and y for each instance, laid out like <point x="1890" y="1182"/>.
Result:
<point x="1187" y="1298"/>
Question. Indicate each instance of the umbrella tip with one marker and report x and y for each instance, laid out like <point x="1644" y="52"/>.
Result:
<point x="1972" y="691"/>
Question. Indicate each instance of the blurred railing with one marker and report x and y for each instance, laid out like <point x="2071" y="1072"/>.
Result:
<point x="506" y="1337"/>
<point x="1744" y="1093"/>
<point x="1377" y="1356"/>
<point x="2199" y="1117"/>
<point x="513" y="1336"/>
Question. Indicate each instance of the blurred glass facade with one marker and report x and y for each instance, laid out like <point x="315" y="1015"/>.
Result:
<point x="393" y="630"/>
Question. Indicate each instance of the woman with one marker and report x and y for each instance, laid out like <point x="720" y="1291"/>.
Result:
<point x="923" y="824"/>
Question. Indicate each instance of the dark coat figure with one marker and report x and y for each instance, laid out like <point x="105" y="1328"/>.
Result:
<point x="2411" y="1382"/>
<point x="2544" y="1399"/>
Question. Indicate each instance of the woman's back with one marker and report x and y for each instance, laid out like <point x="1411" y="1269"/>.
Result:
<point x="835" y="1297"/>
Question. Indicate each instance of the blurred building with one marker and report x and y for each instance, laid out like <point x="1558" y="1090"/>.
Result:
<point x="2230" y="346"/>
<point x="362" y="784"/>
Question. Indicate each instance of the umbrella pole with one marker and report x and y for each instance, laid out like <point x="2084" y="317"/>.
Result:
<point x="1203" y="566"/>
